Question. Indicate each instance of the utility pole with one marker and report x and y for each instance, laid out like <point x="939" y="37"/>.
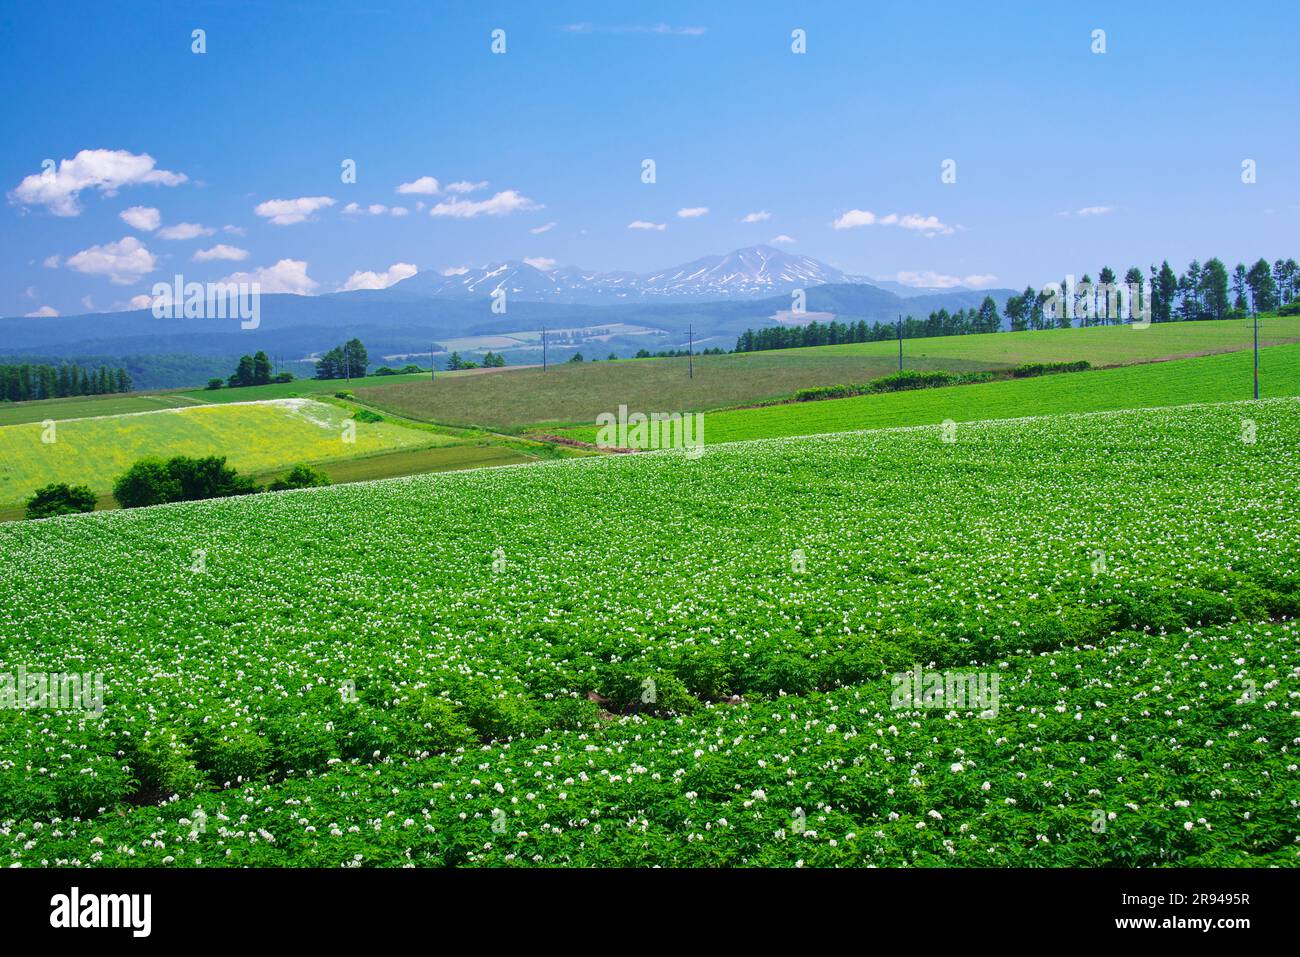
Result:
<point x="690" y="352"/>
<point x="1256" y="354"/>
<point x="900" y="342"/>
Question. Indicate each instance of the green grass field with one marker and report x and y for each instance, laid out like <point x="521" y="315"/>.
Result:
<point x="572" y="392"/>
<point x="1100" y="345"/>
<point x="650" y="660"/>
<point x="309" y="387"/>
<point x="576" y="394"/>
<point x="254" y="437"/>
<point x="80" y="407"/>
<point x="1217" y="378"/>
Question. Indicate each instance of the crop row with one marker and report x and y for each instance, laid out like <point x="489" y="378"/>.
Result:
<point x="274" y="637"/>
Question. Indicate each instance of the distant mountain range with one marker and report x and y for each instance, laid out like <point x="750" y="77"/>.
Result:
<point x="751" y="273"/>
<point x="717" y="298"/>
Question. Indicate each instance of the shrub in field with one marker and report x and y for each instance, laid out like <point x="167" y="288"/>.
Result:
<point x="147" y="482"/>
<point x="300" y="476"/>
<point x="60" y="498"/>
<point x="496" y="717"/>
<point x="910" y="379"/>
<point x="648" y="690"/>
<point x="179" y="479"/>
<point x="229" y="751"/>
<point x="782" y="673"/>
<point x="207" y="477"/>
<point x="1030" y="369"/>
<point x="164" y="762"/>
<point x="366" y="415"/>
<point x="707" y="673"/>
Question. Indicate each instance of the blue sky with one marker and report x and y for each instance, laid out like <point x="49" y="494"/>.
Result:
<point x="1148" y="137"/>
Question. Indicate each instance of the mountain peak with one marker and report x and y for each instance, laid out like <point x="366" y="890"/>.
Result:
<point x="752" y="272"/>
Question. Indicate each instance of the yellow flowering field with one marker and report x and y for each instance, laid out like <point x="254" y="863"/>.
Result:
<point x="254" y="436"/>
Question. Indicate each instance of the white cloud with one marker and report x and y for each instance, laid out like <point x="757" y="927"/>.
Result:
<point x="757" y="217"/>
<point x="42" y="313"/>
<point x="288" y="275"/>
<point x="51" y="261"/>
<point x="184" y="231"/>
<point x="380" y="280"/>
<point x="935" y="280"/>
<point x="642" y="224"/>
<point x="929" y="225"/>
<point x="425" y="186"/>
<point x="544" y="228"/>
<point x="1095" y="210"/>
<point x="374" y="209"/>
<point x="782" y="240"/>
<point x="221" y="252"/>
<point x="855" y="217"/>
<point x="143" y="218"/>
<point x="234" y="230"/>
<point x="465" y="186"/>
<point x="87" y="303"/>
<point x="286" y="212"/>
<point x="123" y="262"/>
<point x="455" y="270"/>
<point x="692" y="212"/>
<point x="141" y="302"/>
<point x="105" y="170"/>
<point x="540" y="262"/>
<point x="503" y="203"/>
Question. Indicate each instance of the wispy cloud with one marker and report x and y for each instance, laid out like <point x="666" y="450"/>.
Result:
<point x="221" y="252"/>
<point x="642" y="224"/>
<point x="782" y="240"/>
<point x="286" y="212"/>
<point x="1089" y="211"/>
<point x="502" y="204"/>
<point x="760" y="216"/>
<point x="935" y="280"/>
<point x="692" y="212"/>
<point x="374" y="209"/>
<point x="927" y="225"/>
<point x="185" y="231"/>
<point x="544" y="228"/>
<point x="42" y="313"/>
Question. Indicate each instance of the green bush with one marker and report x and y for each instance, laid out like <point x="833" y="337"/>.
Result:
<point x="60" y="499"/>
<point x="147" y="482"/>
<point x="365" y="415"/>
<point x="179" y="479"/>
<point x="300" y="476"/>
<point x="495" y="717"/>
<point x="164" y="762"/>
<point x="646" y="690"/>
